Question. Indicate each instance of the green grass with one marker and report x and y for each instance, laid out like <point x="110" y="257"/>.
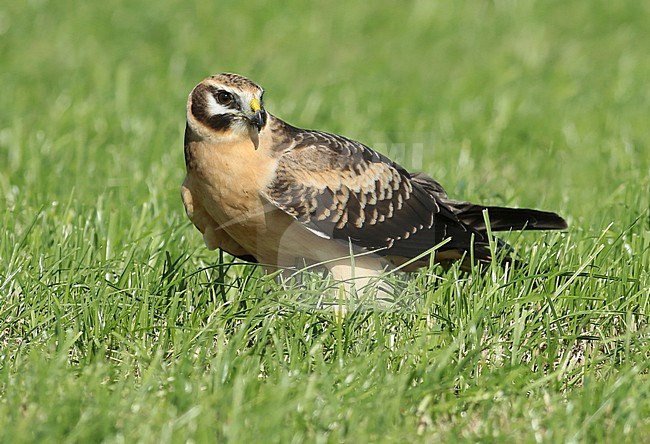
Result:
<point x="117" y="325"/>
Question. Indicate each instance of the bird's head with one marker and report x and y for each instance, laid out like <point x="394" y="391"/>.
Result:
<point x="226" y="105"/>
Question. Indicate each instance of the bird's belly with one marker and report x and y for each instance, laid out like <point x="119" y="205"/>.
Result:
<point x="244" y="215"/>
<point x="265" y="231"/>
<point x="229" y="190"/>
<point x="237" y="211"/>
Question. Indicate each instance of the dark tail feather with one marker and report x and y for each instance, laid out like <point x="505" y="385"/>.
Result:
<point x="504" y="219"/>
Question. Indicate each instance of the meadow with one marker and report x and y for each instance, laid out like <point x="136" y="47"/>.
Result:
<point x="118" y="325"/>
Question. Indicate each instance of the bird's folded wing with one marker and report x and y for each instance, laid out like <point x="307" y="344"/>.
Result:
<point x="342" y="189"/>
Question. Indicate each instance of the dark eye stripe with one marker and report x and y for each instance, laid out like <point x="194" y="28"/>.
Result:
<point x="220" y="122"/>
<point x="201" y="113"/>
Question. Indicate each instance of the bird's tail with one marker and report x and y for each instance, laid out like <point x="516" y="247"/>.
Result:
<point x="476" y="240"/>
<point x="505" y="219"/>
<point x="501" y="218"/>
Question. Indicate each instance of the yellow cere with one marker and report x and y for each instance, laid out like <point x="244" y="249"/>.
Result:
<point x="255" y="105"/>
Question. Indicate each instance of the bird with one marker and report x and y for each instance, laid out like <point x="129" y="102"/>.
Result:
<point x="273" y="194"/>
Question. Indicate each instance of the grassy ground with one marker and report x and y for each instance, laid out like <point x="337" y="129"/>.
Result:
<point x="117" y="325"/>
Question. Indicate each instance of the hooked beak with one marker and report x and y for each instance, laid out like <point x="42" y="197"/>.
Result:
<point x="259" y="118"/>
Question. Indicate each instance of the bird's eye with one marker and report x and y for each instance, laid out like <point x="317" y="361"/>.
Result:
<point x="225" y="98"/>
